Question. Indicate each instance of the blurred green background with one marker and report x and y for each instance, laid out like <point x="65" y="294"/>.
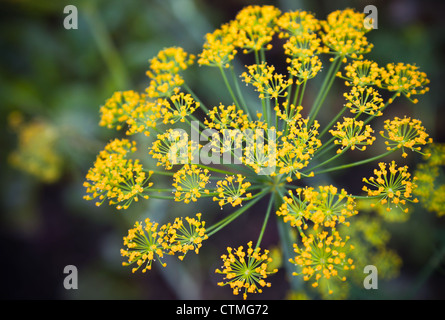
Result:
<point x="58" y="78"/>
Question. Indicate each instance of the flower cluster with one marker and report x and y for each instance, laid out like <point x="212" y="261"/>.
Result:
<point x="117" y="178"/>
<point x="246" y="271"/>
<point x="148" y="242"/>
<point x="275" y="145"/>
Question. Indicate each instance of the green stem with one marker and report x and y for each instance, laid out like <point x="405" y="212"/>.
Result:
<point x="332" y="122"/>
<point x="266" y="219"/>
<point x="201" y="104"/>
<point x="327" y="84"/>
<point x="106" y="47"/>
<point x="358" y="163"/>
<point x="240" y="93"/>
<point x="330" y="159"/>
<point x="229" y="87"/>
<point x="221" y="224"/>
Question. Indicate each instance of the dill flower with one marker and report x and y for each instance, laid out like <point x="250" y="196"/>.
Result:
<point x="246" y="270"/>
<point x="296" y="207"/>
<point x="404" y="79"/>
<point x="190" y="183"/>
<point x="256" y="27"/>
<point x="170" y="60"/>
<point x="343" y="34"/>
<point x="392" y="185"/>
<point x="164" y="72"/>
<point x="324" y="256"/>
<point x="232" y="190"/>
<point x="132" y="109"/>
<point x="37" y="152"/>
<point x="330" y="207"/>
<point x="229" y="117"/>
<point x="351" y="134"/>
<point x="173" y="147"/>
<point x="296" y="23"/>
<point x="268" y="83"/>
<point x="297" y="147"/>
<point x="305" y="68"/>
<point x="302" y="46"/>
<point x="219" y="48"/>
<point x="364" y="100"/>
<point x="145" y="243"/>
<point x="183" y="237"/>
<point x="117" y="178"/>
<point x="181" y="106"/>
<point x="405" y="133"/>
<point x="361" y="73"/>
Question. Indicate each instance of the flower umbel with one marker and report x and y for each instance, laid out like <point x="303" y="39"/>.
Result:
<point x="246" y="271"/>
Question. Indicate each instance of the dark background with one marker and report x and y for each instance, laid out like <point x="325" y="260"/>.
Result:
<point x="63" y="76"/>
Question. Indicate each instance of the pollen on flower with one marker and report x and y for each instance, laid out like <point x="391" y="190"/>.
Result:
<point x="246" y="270"/>
<point x="232" y="190"/>
<point x="190" y="183"/>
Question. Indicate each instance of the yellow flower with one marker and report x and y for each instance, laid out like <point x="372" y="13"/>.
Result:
<point x="246" y="270"/>
<point x="352" y="134"/>
<point x="296" y="23"/>
<point x="268" y="83"/>
<point x="404" y="79"/>
<point x="364" y="100"/>
<point x="392" y="185"/>
<point x="232" y="190"/>
<point x="173" y="147"/>
<point x="132" y="109"/>
<point x="256" y="27"/>
<point x="220" y="46"/>
<point x="361" y="73"/>
<point x="190" y="183"/>
<point x="181" y="106"/>
<point x="185" y="237"/>
<point x="302" y="46"/>
<point x="36" y="153"/>
<point x="405" y="133"/>
<point x="117" y="178"/>
<point x="343" y="34"/>
<point x="324" y="256"/>
<point x="145" y="244"/>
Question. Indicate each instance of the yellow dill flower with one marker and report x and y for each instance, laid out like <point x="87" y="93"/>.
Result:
<point x="246" y="270"/>
<point x="36" y="153"/>
<point x="170" y="60"/>
<point x="256" y="27"/>
<point x="116" y="178"/>
<point x="288" y="112"/>
<point x="232" y="190"/>
<point x="435" y="154"/>
<point x="268" y="83"/>
<point x="361" y="73"/>
<point x="330" y="207"/>
<point x="164" y="85"/>
<point x="132" y="109"/>
<point x="351" y="134"/>
<point x="173" y="147"/>
<point x="324" y="256"/>
<point x="297" y="147"/>
<point x="392" y="185"/>
<point x="305" y="68"/>
<point x="364" y="100"/>
<point x="405" y="133"/>
<point x="302" y="46"/>
<point x="295" y="23"/>
<point x="260" y="152"/>
<point x="181" y="106"/>
<point x="220" y="46"/>
<point x="229" y="117"/>
<point x="296" y="207"/>
<point x="190" y="183"/>
<point x="343" y="34"/>
<point x="183" y="237"/>
<point x="404" y="79"/>
<point x="145" y="243"/>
